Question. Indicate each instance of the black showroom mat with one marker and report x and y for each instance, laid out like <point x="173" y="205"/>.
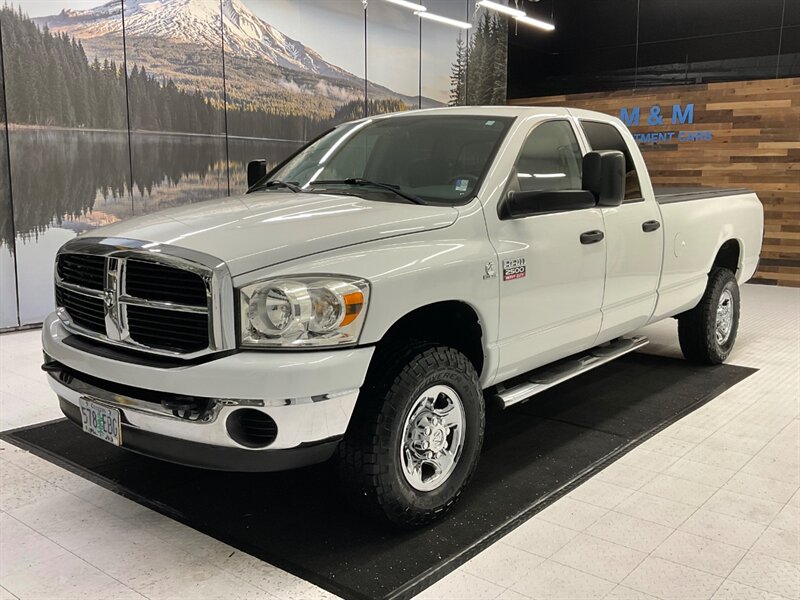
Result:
<point x="533" y="454"/>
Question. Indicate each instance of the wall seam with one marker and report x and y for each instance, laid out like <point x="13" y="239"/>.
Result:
<point x="780" y="41"/>
<point x="225" y="97"/>
<point x="127" y="104"/>
<point x="13" y="243"/>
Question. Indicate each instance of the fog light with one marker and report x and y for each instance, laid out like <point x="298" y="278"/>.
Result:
<point x="252" y="428"/>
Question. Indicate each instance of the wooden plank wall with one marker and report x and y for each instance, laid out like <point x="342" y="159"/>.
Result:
<point x="756" y="144"/>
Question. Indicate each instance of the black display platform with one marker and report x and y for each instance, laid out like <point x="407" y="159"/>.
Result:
<point x="533" y="454"/>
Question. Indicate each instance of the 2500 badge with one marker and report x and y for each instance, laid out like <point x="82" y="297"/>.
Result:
<point x="513" y="268"/>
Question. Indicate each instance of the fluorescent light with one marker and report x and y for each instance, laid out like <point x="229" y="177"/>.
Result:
<point x="445" y="20"/>
<point x="410" y="5"/>
<point x="536" y="23"/>
<point x="548" y="175"/>
<point x="501" y="8"/>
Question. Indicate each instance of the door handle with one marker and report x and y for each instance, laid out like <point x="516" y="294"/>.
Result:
<point x="592" y="237"/>
<point x="648" y="226"/>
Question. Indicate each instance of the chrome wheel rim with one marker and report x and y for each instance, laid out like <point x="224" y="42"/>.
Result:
<point x="433" y="437"/>
<point x="724" y="322"/>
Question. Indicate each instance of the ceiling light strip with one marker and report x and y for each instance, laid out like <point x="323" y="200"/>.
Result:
<point x="445" y="20"/>
<point x="411" y="5"/>
<point x="501" y="8"/>
<point x="536" y="23"/>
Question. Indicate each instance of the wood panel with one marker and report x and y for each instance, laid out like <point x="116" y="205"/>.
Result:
<point x="756" y="144"/>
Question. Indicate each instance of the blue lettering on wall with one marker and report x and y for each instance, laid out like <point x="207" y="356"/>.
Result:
<point x="629" y="118"/>
<point x="685" y="116"/>
<point x="681" y="114"/>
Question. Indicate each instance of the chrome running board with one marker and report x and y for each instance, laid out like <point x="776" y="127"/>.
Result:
<point x="525" y="387"/>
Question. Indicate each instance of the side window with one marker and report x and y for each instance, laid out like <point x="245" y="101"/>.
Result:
<point x="603" y="136"/>
<point x="550" y="160"/>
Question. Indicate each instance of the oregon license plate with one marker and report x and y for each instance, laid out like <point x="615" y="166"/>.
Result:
<point x="101" y="421"/>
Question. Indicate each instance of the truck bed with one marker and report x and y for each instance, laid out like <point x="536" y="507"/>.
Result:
<point x="670" y="194"/>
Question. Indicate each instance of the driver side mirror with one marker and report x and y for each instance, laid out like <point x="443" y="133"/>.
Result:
<point x="604" y="176"/>
<point x="256" y="170"/>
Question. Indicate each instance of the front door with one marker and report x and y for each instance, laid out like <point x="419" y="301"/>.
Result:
<point x="551" y="265"/>
<point x="634" y="237"/>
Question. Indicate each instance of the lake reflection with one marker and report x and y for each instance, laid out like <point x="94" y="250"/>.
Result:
<point x="76" y="180"/>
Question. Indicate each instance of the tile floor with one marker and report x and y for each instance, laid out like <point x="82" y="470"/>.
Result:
<point x="708" y="508"/>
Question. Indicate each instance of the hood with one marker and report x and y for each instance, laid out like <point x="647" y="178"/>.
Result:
<point x="263" y="229"/>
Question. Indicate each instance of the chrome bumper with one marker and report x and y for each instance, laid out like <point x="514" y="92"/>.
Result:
<point x="300" y="421"/>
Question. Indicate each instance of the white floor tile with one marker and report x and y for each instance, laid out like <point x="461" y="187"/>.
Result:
<point x="780" y="544"/>
<point x="745" y="507"/>
<point x="551" y="580"/>
<point x="669" y="580"/>
<point x="769" y="574"/>
<point x="599" y="557"/>
<point x="572" y="514"/>
<point x="539" y="537"/>
<point x="700" y="553"/>
<point x="461" y="586"/>
<point x="655" y="509"/>
<point x="66" y="577"/>
<point x="723" y="528"/>
<point x="502" y="564"/>
<point x="632" y="532"/>
<point x="21" y="547"/>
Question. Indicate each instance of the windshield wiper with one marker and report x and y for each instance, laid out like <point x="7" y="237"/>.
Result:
<point x="277" y="183"/>
<point x="366" y="182"/>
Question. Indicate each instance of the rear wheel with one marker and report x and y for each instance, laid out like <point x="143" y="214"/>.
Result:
<point x="416" y="436"/>
<point x="707" y="333"/>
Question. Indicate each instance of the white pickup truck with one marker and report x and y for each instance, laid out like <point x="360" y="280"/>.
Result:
<point x="372" y="294"/>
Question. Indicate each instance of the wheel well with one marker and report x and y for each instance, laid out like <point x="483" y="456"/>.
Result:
<point x="450" y="323"/>
<point x="728" y="256"/>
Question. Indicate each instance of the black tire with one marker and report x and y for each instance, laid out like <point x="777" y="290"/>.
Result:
<point x="370" y="455"/>
<point x="697" y="328"/>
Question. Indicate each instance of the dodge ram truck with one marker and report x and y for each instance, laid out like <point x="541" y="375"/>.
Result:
<point x="371" y="296"/>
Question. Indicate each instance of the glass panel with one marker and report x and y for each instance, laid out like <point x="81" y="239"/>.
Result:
<point x="291" y="73"/>
<point x="444" y="55"/>
<point x="8" y="278"/>
<point x="487" y="57"/>
<point x="175" y="97"/>
<point x="393" y="36"/>
<point x="67" y="137"/>
<point x="549" y="160"/>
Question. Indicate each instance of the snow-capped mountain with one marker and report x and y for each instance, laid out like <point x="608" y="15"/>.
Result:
<point x="195" y="22"/>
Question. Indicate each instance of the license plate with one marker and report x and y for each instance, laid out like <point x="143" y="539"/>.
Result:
<point x="101" y="421"/>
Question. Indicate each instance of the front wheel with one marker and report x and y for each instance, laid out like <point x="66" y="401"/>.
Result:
<point x="708" y="331"/>
<point x="416" y="436"/>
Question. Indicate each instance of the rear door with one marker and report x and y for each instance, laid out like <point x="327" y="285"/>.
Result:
<point x="551" y="282"/>
<point x="634" y="240"/>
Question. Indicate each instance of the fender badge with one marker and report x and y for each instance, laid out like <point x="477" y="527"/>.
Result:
<point x="513" y="268"/>
<point x="490" y="272"/>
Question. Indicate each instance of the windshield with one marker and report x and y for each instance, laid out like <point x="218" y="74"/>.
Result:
<point x="432" y="158"/>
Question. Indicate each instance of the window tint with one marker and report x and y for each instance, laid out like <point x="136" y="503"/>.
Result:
<point x="603" y="136"/>
<point x="550" y="160"/>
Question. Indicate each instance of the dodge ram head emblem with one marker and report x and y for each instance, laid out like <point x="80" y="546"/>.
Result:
<point x="489" y="270"/>
<point x="108" y="298"/>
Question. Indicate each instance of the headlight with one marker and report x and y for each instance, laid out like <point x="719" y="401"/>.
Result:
<point x="292" y="312"/>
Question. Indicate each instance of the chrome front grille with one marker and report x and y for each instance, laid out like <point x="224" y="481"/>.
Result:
<point x="128" y="293"/>
<point x="86" y="311"/>
<point x="82" y="269"/>
<point x="163" y="283"/>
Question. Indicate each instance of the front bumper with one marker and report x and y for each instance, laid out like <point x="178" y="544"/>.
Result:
<point x="309" y="395"/>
